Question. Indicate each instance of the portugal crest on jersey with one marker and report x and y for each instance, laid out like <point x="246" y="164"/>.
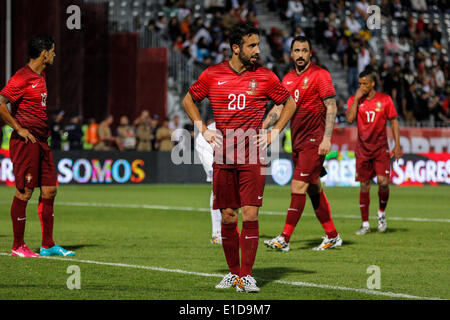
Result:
<point x="305" y="83"/>
<point x="378" y="108"/>
<point x="252" y="85"/>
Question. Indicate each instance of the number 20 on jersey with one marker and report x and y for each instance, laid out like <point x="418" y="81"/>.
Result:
<point x="236" y="101"/>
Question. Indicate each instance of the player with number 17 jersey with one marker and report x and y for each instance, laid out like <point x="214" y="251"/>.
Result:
<point x="371" y="120"/>
<point x="238" y="100"/>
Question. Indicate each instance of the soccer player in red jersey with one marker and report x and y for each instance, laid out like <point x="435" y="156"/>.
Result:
<point x="311" y="127"/>
<point x="238" y="91"/>
<point x="371" y="110"/>
<point x="30" y="153"/>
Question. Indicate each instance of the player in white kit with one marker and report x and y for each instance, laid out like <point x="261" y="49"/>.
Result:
<point x="206" y="156"/>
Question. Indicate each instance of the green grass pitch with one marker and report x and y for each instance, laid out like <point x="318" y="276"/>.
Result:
<point x="152" y="242"/>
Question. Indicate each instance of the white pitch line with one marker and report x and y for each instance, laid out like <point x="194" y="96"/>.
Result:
<point x="174" y="208"/>
<point x="159" y="207"/>
<point x="214" y="275"/>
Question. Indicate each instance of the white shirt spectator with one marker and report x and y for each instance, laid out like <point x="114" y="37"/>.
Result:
<point x="361" y="9"/>
<point x="419" y="5"/>
<point x="203" y="33"/>
<point x="295" y="8"/>
<point x="353" y="25"/>
<point x="363" y="59"/>
<point x="402" y="46"/>
<point x="439" y="77"/>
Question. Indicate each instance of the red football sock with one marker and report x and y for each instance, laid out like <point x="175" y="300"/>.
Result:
<point x="364" y="202"/>
<point x="230" y="244"/>
<point x="383" y="197"/>
<point x="323" y="213"/>
<point x="18" y="217"/>
<point x="293" y="215"/>
<point x="45" y="211"/>
<point x="249" y="245"/>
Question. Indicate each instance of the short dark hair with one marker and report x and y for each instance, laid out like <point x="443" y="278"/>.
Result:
<point x="301" y="39"/>
<point x="38" y="44"/>
<point x="368" y="73"/>
<point x="240" y="30"/>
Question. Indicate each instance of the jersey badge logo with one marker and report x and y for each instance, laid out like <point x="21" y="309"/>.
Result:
<point x="252" y="85"/>
<point x="29" y="177"/>
<point x="378" y="108"/>
<point x="305" y="83"/>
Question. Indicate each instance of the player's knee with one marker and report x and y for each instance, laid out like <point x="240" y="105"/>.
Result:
<point x="24" y="194"/>
<point x="229" y="215"/>
<point x="49" y="193"/>
<point x="250" y="213"/>
<point x="298" y="186"/>
<point x="365" y="186"/>
<point x="383" y="185"/>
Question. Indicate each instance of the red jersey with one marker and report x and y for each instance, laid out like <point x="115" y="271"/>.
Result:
<point x="309" y="90"/>
<point x="27" y="92"/>
<point x="238" y="100"/>
<point x="371" y="119"/>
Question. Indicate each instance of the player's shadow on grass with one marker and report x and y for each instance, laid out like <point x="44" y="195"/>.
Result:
<point x="268" y="275"/>
<point x="388" y="230"/>
<point x="79" y="246"/>
<point x="315" y="242"/>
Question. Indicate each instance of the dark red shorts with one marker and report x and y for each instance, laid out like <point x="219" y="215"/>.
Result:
<point x="239" y="186"/>
<point x="33" y="164"/>
<point x="308" y="164"/>
<point x="368" y="168"/>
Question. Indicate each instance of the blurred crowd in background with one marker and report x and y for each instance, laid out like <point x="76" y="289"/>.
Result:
<point x="145" y="133"/>
<point x="412" y="63"/>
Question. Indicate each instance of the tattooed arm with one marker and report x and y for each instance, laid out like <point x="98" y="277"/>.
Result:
<point x="330" y="119"/>
<point x="272" y="117"/>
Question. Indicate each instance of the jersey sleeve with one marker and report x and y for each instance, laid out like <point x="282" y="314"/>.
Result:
<point x="349" y="103"/>
<point x="200" y="89"/>
<point x="276" y="91"/>
<point x="391" y="113"/>
<point x="14" y="90"/>
<point x="325" y="86"/>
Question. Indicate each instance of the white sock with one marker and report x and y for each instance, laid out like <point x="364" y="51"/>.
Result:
<point x="381" y="213"/>
<point x="365" y="224"/>
<point x="216" y="218"/>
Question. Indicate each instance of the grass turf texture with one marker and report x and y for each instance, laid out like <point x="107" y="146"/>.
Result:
<point x="413" y="256"/>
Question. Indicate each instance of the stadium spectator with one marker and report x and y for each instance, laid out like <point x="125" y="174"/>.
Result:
<point x="230" y="18"/>
<point x="294" y="11"/>
<point x="163" y="136"/>
<point x="351" y="65"/>
<point x="126" y="135"/>
<point x="154" y="123"/>
<point x="361" y="10"/>
<point x="105" y="137"/>
<point x="390" y="46"/>
<point x="74" y="133"/>
<point x="419" y="5"/>
<point x="144" y="133"/>
<point x="353" y="25"/>
<point x="92" y="132"/>
<point x="56" y="130"/>
<point x="176" y="126"/>
<point x="363" y="57"/>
